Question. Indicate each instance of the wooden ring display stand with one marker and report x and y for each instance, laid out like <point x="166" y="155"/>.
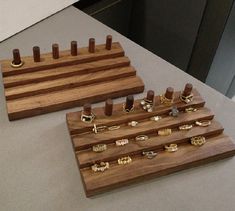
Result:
<point x="64" y="79"/>
<point x="217" y="146"/>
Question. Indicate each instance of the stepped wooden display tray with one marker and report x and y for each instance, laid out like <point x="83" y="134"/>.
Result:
<point x="54" y="84"/>
<point x="217" y="146"/>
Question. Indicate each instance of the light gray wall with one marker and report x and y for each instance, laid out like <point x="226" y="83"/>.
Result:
<point x="222" y="71"/>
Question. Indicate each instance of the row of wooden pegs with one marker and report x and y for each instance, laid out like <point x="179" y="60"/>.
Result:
<point x="55" y="50"/>
<point x="129" y="104"/>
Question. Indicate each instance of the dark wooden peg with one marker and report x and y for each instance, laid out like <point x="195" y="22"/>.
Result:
<point x="109" y="42"/>
<point x="74" y="48"/>
<point x="108" y="111"/>
<point x="87" y="109"/>
<point x="55" y="51"/>
<point x="150" y="95"/>
<point x="169" y="93"/>
<point x="36" y="54"/>
<point x="187" y="89"/>
<point x="16" y="56"/>
<point x="92" y="45"/>
<point x="129" y="102"/>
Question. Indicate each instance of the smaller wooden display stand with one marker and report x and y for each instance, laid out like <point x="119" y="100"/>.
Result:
<point x="217" y="146"/>
<point x="64" y="79"/>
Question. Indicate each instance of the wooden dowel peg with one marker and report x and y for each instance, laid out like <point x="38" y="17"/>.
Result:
<point x="109" y="42"/>
<point x="129" y="102"/>
<point x="36" y="54"/>
<point x="150" y="95"/>
<point x="108" y="111"/>
<point x="16" y="57"/>
<point x="55" y="51"/>
<point x="87" y="109"/>
<point x="169" y="93"/>
<point x="92" y="45"/>
<point x="187" y="89"/>
<point x="74" y="48"/>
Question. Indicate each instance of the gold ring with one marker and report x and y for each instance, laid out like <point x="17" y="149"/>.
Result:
<point x="122" y="142"/>
<point x="128" y="110"/>
<point x="171" y="148"/>
<point x="99" y="147"/>
<point x="115" y="127"/>
<point x="87" y="118"/>
<point x="17" y="65"/>
<point x="165" y="132"/>
<point x="190" y="109"/>
<point x="98" y="129"/>
<point x="203" y="123"/>
<point x="147" y="105"/>
<point x="141" y="138"/>
<point x="186" y="99"/>
<point x="155" y="118"/>
<point x="185" y="127"/>
<point x="198" y="140"/>
<point x="100" y="167"/>
<point x="165" y="100"/>
<point x="133" y="123"/>
<point x="124" y="160"/>
<point x="149" y="154"/>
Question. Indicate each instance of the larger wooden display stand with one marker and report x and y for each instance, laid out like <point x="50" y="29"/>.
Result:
<point x="218" y="145"/>
<point x="60" y="80"/>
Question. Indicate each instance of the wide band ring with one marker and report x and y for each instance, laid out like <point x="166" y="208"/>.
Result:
<point x="171" y="148"/>
<point x="124" y="160"/>
<point x="99" y="147"/>
<point x="17" y="65"/>
<point x="203" y="123"/>
<point x="165" y="132"/>
<point x="141" y="138"/>
<point x="100" y="167"/>
<point x="165" y="100"/>
<point x="122" y="142"/>
<point x="198" y="140"/>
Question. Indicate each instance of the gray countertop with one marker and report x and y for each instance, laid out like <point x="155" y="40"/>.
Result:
<point x="37" y="164"/>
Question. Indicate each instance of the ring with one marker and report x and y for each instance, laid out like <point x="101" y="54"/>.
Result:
<point x="99" y="147"/>
<point x="115" y="127"/>
<point x="165" y="100"/>
<point x="171" y="148"/>
<point x="141" y="138"/>
<point x="155" y="118"/>
<point x="122" y="142"/>
<point x="149" y="154"/>
<point x="87" y="118"/>
<point x="17" y="65"/>
<point x="190" y="109"/>
<point x="186" y="99"/>
<point x="124" y="160"/>
<point x="133" y="123"/>
<point x="165" y="132"/>
<point x="185" y="127"/>
<point x="128" y="110"/>
<point x="98" y="129"/>
<point x="147" y="105"/>
<point x="198" y="140"/>
<point x="100" y="167"/>
<point x="203" y="123"/>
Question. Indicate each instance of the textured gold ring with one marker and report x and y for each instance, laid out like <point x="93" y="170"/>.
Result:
<point x="100" y="167"/>
<point x="99" y="147"/>
<point x="141" y="138"/>
<point x="115" y="127"/>
<point x="127" y="110"/>
<point x="124" y="160"/>
<point x="198" y="140"/>
<point x="185" y="127"/>
<point x="165" y="132"/>
<point x="122" y="142"/>
<point x="203" y="123"/>
<point x="165" y="100"/>
<point x="171" y="148"/>
<point x="186" y="99"/>
<point x="17" y="65"/>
